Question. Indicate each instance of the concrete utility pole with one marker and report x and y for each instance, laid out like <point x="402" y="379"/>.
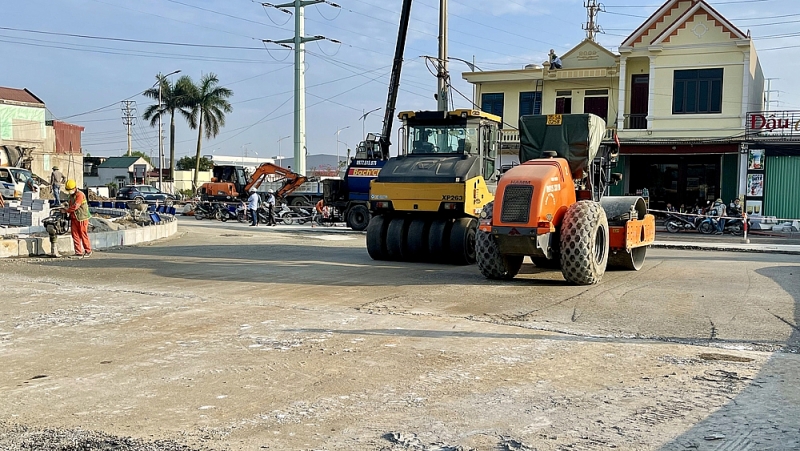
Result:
<point x="591" y="27"/>
<point x="298" y="42"/>
<point x="442" y="75"/>
<point x="129" y="119"/>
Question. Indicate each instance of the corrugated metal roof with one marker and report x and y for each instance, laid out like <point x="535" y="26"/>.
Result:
<point x="19" y="95"/>
<point x="119" y="162"/>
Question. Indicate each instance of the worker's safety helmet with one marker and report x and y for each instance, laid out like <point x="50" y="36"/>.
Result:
<point x="271" y="192"/>
<point x="70" y="185"/>
<point x="252" y="190"/>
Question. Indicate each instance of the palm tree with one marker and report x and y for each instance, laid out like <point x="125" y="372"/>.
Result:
<point x="174" y="97"/>
<point x="209" y="106"/>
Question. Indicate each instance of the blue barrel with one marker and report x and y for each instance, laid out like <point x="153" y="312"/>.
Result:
<point x="94" y="203"/>
<point x="121" y="205"/>
<point x="108" y="204"/>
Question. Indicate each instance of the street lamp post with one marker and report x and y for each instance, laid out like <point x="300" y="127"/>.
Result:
<point x="337" y="145"/>
<point x="363" y="120"/>
<point x="161" y="131"/>
<point x="279" y="146"/>
<point x="472" y="67"/>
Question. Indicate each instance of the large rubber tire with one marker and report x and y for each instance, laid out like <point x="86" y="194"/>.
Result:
<point x="376" y="238"/>
<point x="396" y="239"/>
<point x="633" y="260"/>
<point x="358" y="218"/>
<point x="300" y="201"/>
<point x="492" y="264"/>
<point x="417" y="240"/>
<point x="462" y="241"/>
<point x="672" y="226"/>
<point x="706" y="227"/>
<point x="584" y="243"/>
<point x="199" y="215"/>
<point x="438" y="240"/>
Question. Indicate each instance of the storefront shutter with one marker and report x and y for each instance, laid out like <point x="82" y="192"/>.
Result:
<point x="782" y="186"/>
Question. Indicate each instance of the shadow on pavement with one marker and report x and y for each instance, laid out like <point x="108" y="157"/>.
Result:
<point x="766" y="414"/>
<point x="296" y="264"/>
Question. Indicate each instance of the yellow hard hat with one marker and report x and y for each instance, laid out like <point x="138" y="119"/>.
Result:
<point x="70" y="185"/>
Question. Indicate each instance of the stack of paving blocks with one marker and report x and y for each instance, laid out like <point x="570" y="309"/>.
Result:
<point x="26" y="213"/>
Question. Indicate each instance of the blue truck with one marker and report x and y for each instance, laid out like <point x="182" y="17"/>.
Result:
<point x="350" y="195"/>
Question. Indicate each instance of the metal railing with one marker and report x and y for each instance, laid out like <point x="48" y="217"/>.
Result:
<point x="636" y="121"/>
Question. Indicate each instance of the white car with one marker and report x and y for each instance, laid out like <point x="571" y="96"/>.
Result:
<point x="12" y="182"/>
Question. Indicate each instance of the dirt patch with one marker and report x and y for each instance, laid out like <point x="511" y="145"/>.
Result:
<point x="711" y="356"/>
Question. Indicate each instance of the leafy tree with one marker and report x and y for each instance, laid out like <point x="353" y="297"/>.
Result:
<point x="188" y="163"/>
<point x="139" y="153"/>
<point x="209" y="106"/>
<point x="174" y="98"/>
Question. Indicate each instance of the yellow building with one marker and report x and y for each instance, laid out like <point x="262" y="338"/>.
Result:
<point x="677" y="95"/>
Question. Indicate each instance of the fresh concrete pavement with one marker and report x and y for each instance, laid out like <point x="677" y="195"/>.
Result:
<point x="228" y="337"/>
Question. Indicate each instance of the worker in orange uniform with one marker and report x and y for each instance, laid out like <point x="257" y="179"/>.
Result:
<point x="78" y="210"/>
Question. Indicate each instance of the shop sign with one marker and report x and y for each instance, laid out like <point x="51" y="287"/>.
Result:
<point x="773" y="123"/>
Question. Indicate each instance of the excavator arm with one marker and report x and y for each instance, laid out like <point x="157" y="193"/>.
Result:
<point x="292" y="180"/>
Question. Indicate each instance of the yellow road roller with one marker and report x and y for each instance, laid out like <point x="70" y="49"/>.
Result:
<point x="425" y="201"/>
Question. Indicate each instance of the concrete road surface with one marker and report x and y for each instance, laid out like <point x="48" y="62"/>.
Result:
<point x="230" y="337"/>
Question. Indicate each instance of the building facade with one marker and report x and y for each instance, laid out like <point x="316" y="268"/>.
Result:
<point x="677" y="95"/>
<point x="28" y="140"/>
<point x="120" y="171"/>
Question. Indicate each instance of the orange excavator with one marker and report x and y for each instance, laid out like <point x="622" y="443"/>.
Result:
<point x="231" y="182"/>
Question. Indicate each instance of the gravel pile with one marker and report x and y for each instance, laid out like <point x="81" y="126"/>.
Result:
<point x="21" y="438"/>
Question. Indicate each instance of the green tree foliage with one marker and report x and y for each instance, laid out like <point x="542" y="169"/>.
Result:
<point x="189" y="163"/>
<point x="209" y="106"/>
<point x="175" y="97"/>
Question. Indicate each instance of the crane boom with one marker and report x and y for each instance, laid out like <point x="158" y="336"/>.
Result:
<point x="394" y="81"/>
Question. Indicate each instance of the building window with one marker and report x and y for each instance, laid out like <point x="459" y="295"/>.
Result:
<point x="492" y="103"/>
<point x="530" y="103"/>
<point x="563" y="102"/>
<point x="596" y="102"/>
<point x="697" y="91"/>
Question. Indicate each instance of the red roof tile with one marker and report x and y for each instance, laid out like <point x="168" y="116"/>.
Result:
<point x="19" y="95"/>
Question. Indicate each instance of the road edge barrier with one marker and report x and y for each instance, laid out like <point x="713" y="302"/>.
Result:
<point x="40" y="246"/>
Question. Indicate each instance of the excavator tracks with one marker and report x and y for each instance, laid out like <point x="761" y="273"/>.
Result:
<point x="422" y="239"/>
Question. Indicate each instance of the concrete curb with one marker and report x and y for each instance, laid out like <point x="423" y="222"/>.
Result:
<point x="752" y="248"/>
<point x="36" y="246"/>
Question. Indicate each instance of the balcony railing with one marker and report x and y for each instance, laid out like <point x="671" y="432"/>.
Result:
<point x="636" y="121"/>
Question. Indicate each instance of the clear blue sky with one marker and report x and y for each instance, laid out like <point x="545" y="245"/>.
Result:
<point x="76" y="75"/>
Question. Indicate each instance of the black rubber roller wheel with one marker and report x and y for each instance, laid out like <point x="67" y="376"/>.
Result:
<point x="358" y="218"/>
<point x="492" y="264"/>
<point x="462" y="241"/>
<point x="396" y="239"/>
<point x="584" y="243"/>
<point x="438" y="240"/>
<point x="417" y="240"/>
<point x="376" y="238"/>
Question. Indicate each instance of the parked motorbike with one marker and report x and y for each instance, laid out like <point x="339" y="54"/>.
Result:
<point x="203" y="210"/>
<point x="733" y="226"/>
<point x="677" y="222"/>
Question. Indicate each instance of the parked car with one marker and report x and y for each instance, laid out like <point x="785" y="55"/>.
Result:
<point x="144" y="193"/>
<point x="12" y="182"/>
